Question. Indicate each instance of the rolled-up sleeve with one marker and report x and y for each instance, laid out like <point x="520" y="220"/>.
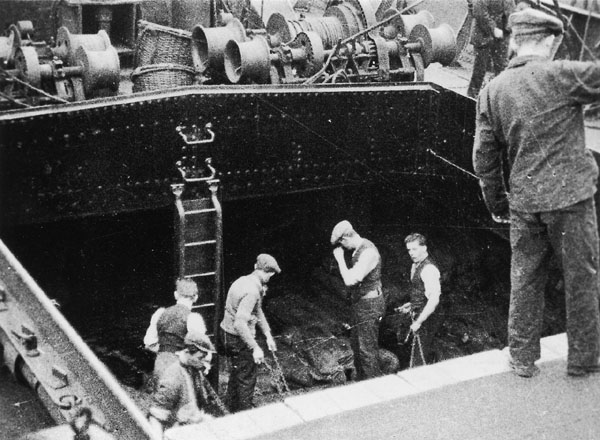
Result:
<point x="487" y="160"/>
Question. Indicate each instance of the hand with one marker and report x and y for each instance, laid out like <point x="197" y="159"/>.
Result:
<point x="498" y="33"/>
<point x="338" y="253"/>
<point x="258" y="355"/>
<point x="271" y="343"/>
<point x="415" y="326"/>
<point x="503" y="219"/>
<point x="405" y="308"/>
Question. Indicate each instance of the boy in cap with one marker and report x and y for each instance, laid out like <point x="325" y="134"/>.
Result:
<point x="168" y="326"/>
<point x="363" y="278"/>
<point x="243" y="311"/>
<point x="180" y="391"/>
<point x="531" y="116"/>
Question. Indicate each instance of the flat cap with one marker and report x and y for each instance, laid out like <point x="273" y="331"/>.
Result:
<point x="340" y="230"/>
<point x="200" y="341"/>
<point x="267" y="263"/>
<point x="531" y="21"/>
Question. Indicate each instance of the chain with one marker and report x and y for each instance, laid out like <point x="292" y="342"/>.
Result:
<point x="280" y="372"/>
<point x="278" y="377"/>
<point x="416" y="340"/>
<point x="213" y="395"/>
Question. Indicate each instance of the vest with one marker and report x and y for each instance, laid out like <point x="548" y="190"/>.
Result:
<point x="172" y="328"/>
<point x="417" y="293"/>
<point x="372" y="281"/>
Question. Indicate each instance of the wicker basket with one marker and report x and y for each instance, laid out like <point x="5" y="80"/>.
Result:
<point x="161" y="76"/>
<point x="158" y="44"/>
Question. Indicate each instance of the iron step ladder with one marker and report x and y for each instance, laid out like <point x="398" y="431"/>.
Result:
<point x="199" y="232"/>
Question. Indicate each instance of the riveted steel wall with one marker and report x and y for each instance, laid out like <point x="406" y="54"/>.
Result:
<point x="112" y="156"/>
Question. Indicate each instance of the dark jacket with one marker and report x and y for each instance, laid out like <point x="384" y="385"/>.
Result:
<point x="487" y="15"/>
<point x="532" y="114"/>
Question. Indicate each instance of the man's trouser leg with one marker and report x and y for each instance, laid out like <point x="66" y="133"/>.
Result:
<point x="531" y="252"/>
<point x="243" y="374"/>
<point x="427" y="340"/>
<point x="480" y="64"/>
<point x="499" y="56"/>
<point x="366" y="315"/>
<point x="574" y="235"/>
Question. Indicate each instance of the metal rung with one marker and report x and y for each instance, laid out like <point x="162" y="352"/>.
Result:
<point x="205" y="274"/>
<point x="200" y="243"/>
<point x="199" y="211"/>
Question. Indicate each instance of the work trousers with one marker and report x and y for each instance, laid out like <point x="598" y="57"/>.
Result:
<point x="427" y="340"/>
<point x="364" y="336"/>
<point x="495" y="51"/>
<point x="242" y="375"/>
<point x="572" y="235"/>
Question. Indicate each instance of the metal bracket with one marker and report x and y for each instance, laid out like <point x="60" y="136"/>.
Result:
<point x="69" y="401"/>
<point x="192" y="172"/>
<point x="60" y="378"/>
<point x="193" y="137"/>
<point x="3" y="298"/>
<point x="29" y="341"/>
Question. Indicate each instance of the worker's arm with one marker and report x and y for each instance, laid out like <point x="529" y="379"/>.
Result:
<point x="151" y="336"/>
<point x="487" y="161"/>
<point x="240" y="323"/>
<point x="483" y="18"/>
<point x="431" y="279"/>
<point x="365" y="264"/>
<point x="266" y="329"/>
<point x="195" y="323"/>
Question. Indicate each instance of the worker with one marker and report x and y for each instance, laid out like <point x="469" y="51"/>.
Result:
<point x="489" y="39"/>
<point x="243" y="312"/>
<point x="180" y="393"/>
<point x="363" y="278"/>
<point x="530" y="138"/>
<point x="168" y="326"/>
<point x="424" y="300"/>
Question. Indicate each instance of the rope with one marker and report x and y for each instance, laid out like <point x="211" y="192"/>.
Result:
<point x="429" y="150"/>
<point x="40" y="91"/>
<point x="14" y="101"/>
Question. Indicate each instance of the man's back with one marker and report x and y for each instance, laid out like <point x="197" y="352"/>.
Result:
<point x="534" y="109"/>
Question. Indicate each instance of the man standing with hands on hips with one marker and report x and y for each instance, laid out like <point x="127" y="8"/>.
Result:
<point x="243" y="311"/>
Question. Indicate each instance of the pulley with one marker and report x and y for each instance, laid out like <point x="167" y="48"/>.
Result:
<point x="282" y="30"/>
<point x="68" y="43"/>
<point x="208" y="44"/>
<point x="28" y="66"/>
<point x="348" y="16"/>
<point x="436" y="45"/>
<point x="403" y="24"/>
<point x="101" y="69"/>
<point x="307" y="54"/>
<point x="249" y="59"/>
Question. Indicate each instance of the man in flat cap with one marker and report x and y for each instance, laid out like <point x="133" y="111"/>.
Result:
<point x="489" y="39"/>
<point x="243" y="311"/>
<point x="529" y="138"/>
<point x="180" y="392"/>
<point x="363" y="278"/>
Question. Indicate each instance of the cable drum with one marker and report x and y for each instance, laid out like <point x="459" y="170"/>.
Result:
<point x="282" y="30"/>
